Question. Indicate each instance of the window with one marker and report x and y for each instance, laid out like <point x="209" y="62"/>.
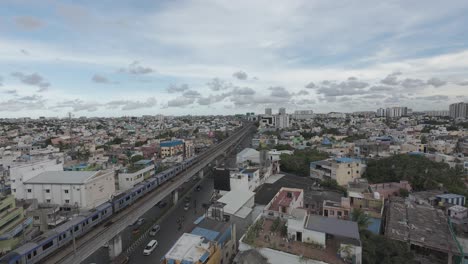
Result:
<point x="48" y="245"/>
<point x="66" y="191"/>
<point x="14" y="190"/>
<point x="349" y="172"/>
<point x="95" y="217"/>
<point x="36" y="217"/>
<point x="47" y="191"/>
<point x="76" y="228"/>
<point x="67" y="201"/>
<point x="332" y="212"/>
<point x="48" y="201"/>
<point x="29" y="190"/>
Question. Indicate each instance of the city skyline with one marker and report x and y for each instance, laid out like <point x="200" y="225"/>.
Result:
<point x="188" y="57"/>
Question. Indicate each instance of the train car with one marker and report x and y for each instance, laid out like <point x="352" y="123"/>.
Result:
<point x="19" y="255"/>
<point x="152" y="183"/>
<point x="121" y="201"/>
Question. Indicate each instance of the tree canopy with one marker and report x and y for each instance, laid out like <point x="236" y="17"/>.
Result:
<point x="299" y="162"/>
<point x="381" y="250"/>
<point x="422" y="173"/>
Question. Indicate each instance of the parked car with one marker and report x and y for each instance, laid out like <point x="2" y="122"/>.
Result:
<point x="150" y="247"/>
<point x="154" y="230"/>
<point x="140" y="221"/>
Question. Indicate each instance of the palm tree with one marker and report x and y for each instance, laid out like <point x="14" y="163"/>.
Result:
<point x="362" y="219"/>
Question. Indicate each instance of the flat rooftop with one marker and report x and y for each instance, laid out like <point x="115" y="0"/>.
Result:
<point x="333" y="226"/>
<point x="284" y="198"/>
<point x="63" y="177"/>
<point x="420" y="225"/>
<point x="189" y="248"/>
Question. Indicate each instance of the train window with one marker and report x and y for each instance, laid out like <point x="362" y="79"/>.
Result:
<point x="83" y="224"/>
<point x="48" y="245"/>
<point x="29" y="256"/>
<point x="128" y="198"/>
<point x="34" y="253"/>
<point x="64" y="235"/>
<point x="76" y="228"/>
<point x="95" y="217"/>
<point x="60" y="238"/>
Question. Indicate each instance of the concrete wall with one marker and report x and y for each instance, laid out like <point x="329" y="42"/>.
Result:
<point x="22" y="173"/>
<point x="309" y="236"/>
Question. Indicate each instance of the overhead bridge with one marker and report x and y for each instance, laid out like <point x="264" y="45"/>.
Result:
<point x="87" y="244"/>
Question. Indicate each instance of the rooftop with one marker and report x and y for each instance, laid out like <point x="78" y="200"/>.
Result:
<point x="274" y="240"/>
<point x="171" y="143"/>
<point x="410" y="222"/>
<point x="188" y="247"/>
<point x="284" y="198"/>
<point x="333" y="226"/>
<point x="449" y="196"/>
<point x="347" y="160"/>
<point x="235" y="200"/>
<point x="63" y="177"/>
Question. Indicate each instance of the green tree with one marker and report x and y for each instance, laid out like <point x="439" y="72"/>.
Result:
<point x="362" y="219"/>
<point x="274" y="226"/>
<point x="136" y="158"/>
<point x="403" y="192"/>
<point x="423" y="140"/>
<point x="299" y="162"/>
<point x="420" y="172"/>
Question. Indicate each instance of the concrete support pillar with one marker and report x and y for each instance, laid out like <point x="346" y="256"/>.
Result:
<point x="450" y="256"/>
<point x="175" y="196"/>
<point x="115" y="247"/>
<point x="201" y="174"/>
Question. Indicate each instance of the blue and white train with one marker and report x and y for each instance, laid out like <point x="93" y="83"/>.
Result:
<point x="42" y="246"/>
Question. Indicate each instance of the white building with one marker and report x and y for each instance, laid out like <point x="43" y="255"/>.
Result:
<point x="128" y="180"/>
<point x="79" y="189"/>
<point x="245" y="180"/>
<point x="23" y="172"/>
<point x="397" y="111"/>
<point x="303" y="114"/>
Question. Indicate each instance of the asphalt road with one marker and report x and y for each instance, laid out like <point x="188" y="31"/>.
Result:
<point x="130" y="234"/>
<point x="170" y="229"/>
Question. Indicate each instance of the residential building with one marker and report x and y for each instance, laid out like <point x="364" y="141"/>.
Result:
<point x="303" y="114"/>
<point x="396" y="112"/>
<point x="458" y="110"/>
<point x="450" y="198"/>
<point x="458" y="214"/>
<point x="388" y="189"/>
<point x="210" y="242"/>
<point x="268" y="111"/>
<point x="437" y="113"/>
<point x="13" y="223"/>
<point x="284" y="201"/>
<point x="172" y="148"/>
<point x="381" y="112"/>
<point x="340" y="210"/>
<point x="343" y="170"/>
<point x="130" y="176"/>
<point x="71" y="189"/>
<point x="285" y="231"/>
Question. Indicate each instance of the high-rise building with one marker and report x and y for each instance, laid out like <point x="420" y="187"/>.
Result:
<point x="381" y="112"/>
<point x="458" y="110"/>
<point x="282" y="111"/>
<point x="268" y="111"/>
<point x="397" y="111"/>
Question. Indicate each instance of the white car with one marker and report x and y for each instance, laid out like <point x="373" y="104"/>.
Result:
<point x="150" y="247"/>
<point x="154" y="230"/>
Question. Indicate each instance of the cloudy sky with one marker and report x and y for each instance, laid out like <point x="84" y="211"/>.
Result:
<point x="175" y="57"/>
